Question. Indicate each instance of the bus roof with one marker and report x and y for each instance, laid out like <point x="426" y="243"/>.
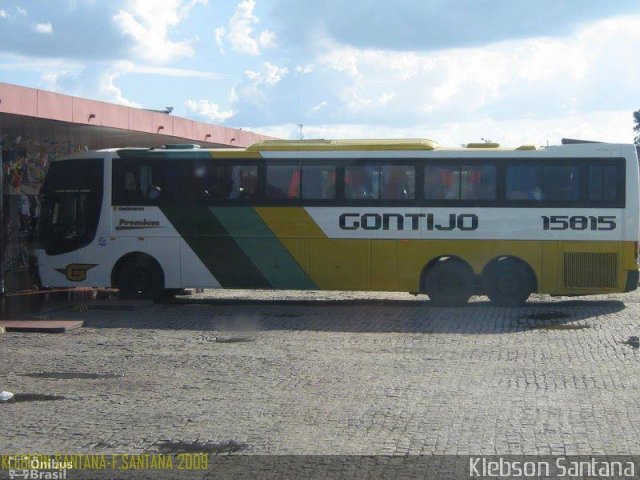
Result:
<point x="355" y="145"/>
<point x="345" y="145"/>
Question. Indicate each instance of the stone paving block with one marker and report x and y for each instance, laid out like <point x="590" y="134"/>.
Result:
<point x="334" y="373"/>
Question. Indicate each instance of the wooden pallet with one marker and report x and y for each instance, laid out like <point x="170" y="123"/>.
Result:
<point x="40" y="326"/>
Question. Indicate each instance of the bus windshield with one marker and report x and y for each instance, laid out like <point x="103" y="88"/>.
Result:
<point x="71" y="201"/>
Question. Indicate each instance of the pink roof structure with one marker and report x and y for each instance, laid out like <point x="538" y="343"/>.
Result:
<point x="30" y="111"/>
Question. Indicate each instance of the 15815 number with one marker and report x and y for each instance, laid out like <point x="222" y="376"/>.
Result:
<point x="578" y="222"/>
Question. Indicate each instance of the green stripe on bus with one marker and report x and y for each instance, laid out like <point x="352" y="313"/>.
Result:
<point x="215" y="247"/>
<point x="264" y="249"/>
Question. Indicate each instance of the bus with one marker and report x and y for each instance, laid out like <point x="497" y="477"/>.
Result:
<point x="367" y="215"/>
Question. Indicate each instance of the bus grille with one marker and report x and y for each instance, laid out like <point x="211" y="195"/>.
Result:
<point x="590" y="270"/>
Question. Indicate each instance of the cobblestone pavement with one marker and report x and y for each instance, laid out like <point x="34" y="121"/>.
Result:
<point x="331" y="373"/>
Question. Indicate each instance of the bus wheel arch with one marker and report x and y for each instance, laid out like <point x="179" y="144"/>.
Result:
<point x="448" y="280"/>
<point x="508" y="281"/>
<point x="138" y="275"/>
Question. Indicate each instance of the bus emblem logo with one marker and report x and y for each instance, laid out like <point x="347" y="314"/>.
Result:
<point x="76" y="272"/>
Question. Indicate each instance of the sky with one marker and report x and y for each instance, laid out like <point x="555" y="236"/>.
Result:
<point x="455" y="71"/>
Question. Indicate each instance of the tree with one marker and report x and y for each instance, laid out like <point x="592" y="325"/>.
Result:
<point x="636" y="126"/>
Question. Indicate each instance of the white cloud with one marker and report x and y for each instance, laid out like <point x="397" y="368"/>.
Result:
<point x="51" y="80"/>
<point x="174" y="72"/>
<point x="267" y="39"/>
<point x="269" y="75"/>
<point x="240" y="34"/>
<point x="219" y="36"/>
<point x="19" y="12"/>
<point x="31" y="64"/>
<point x="591" y="70"/>
<point x="149" y="22"/>
<point x="233" y="95"/>
<point x="304" y="68"/>
<point x="256" y="84"/>
<point x="109" y="91"/>
<point x="44" y="28"/>
<point x="107" y="88"/>
<point x="209" y="110"/>
<point x="316" y="108"/>
<point x="610" y="126"/>
<point x="386" y="97"/>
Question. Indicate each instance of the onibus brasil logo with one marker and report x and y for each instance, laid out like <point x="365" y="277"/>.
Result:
<point x="36" y="467"/>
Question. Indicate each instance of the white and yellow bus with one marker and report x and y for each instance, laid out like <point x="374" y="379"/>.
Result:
<point x="376" y="215"/>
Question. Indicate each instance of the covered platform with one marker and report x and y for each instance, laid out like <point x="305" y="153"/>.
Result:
<point x="53" y="117"/>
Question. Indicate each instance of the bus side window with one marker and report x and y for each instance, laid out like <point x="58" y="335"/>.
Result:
<point x="126" y="184"/>
<point x="561" y="183"/>
<point x="441" y="183"/>
<point x="283" y="182"/>
<point x="244" y="182"/>
<point x="524" y="182"/>
<point x="478" y="182"/>
<point x="361" y="182"/>
<point x="130" y="182"/>
<point x="130" y="185"/>
<point x="208" y="184"/>
<point x="398" y="182"/>
<point x="318" y="182"/>
<point x="160" y="184"/>
<point x="603" y="183"/>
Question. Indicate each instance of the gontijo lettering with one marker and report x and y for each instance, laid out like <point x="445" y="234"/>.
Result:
<point x="408" y="221"/>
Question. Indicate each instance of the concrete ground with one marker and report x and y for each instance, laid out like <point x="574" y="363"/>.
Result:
<point x="329" y="373"/>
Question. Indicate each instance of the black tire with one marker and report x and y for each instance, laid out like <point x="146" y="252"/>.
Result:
<point x="140" y="278"/>
<point x="508" y="283"/>
<point x="449" y="283"/>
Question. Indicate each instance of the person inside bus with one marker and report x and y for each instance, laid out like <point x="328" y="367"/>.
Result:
<point x="160" y="193"/>
<point x="245" y="183"/>
<point x="441" y="183"/>
<point x="197" y="186"/>
<point x="478" y="183"/>
<point x="358" y="183"/>
<point x="159" y="190"/>
<point x="131" y="192"/>
<point x="399" y="182"/>
<point x="217" y="183"/>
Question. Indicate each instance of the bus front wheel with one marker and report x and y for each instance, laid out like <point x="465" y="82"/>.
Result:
<point x="140" y="278"/>
<point x="508" y="283"/>
<point x="449" y="283"/>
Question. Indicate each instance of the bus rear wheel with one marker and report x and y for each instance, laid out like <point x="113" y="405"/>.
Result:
<point x="140" y="278"/>
<point x="449" y="283"/>
<point x="508" y="283"/>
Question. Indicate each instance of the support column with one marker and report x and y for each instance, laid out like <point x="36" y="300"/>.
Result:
<point x="2" y="232"/>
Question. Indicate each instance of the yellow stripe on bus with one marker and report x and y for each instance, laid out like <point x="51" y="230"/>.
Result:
<point x="396" y="265"/>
